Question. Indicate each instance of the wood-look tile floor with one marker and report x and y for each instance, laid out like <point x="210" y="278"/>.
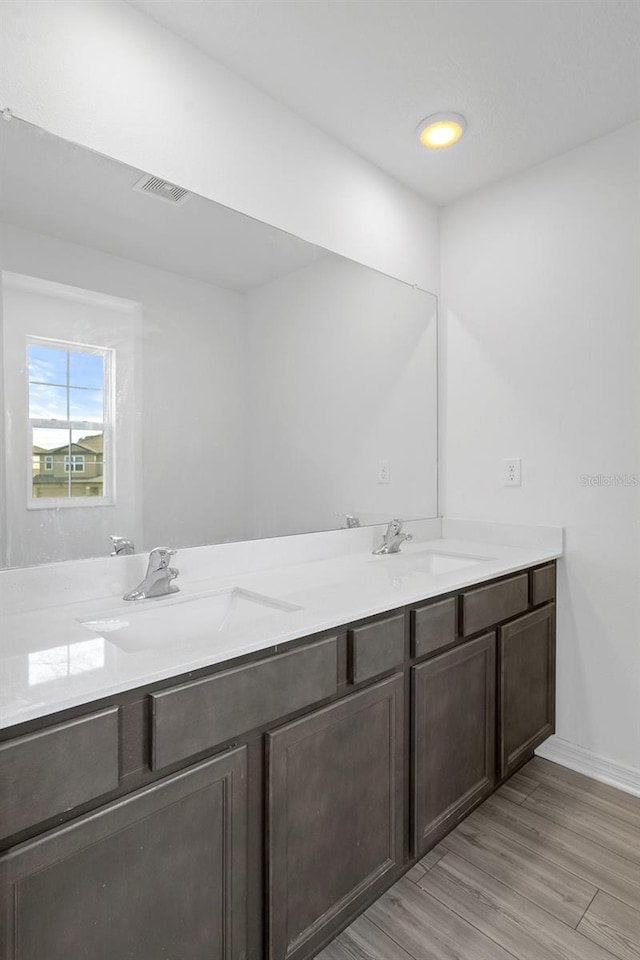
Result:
<point x="548" y="868"/>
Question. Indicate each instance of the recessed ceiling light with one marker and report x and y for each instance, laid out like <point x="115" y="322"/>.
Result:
<point x="441" y="130"/>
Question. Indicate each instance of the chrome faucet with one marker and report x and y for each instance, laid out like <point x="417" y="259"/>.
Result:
<point x="121" y="546"/>
<point x="393" y="538"/>
<point x="159" y="577"/>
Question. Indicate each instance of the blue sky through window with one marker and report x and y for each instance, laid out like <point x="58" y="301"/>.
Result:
<point x="86" y="370"/>
<point x="65" y="384"/>
<point x="86" y="404"/>
<point x="48" y="364"/>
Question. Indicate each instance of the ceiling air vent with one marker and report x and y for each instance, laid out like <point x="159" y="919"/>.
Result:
<point x="157" y="187"/>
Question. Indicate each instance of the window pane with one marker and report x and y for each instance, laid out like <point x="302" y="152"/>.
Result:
<point x="87" y="473"/>
<point x="88" y="442"/>
<point x="50" y="476"/>
<point x="81" y="487"/>
<point x="47" y="364"/>
<point x="46" y="402"/>
<point x="50" y="439"/>
<point x="68" y="464"/>
<point x="86" y="370"/>
<point x="86" y="404"/>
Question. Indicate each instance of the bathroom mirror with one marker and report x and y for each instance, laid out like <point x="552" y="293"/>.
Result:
<point x="176" y="372"/>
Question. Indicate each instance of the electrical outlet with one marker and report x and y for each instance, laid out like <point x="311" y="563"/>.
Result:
<point x="513" y="472"/>
<point x="384" y="471"/>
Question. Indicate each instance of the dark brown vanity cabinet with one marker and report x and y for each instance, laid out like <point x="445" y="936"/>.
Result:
<point x="527" y="663"/>
<point x="159" y="873"/>
<point x="252" y="809"/>
<point x="453" y="737"/>
<point x="335" y="815"/>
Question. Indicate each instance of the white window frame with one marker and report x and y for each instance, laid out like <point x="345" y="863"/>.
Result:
<point x="50" y="310"/>
<point x="47" y="463"/>
<point x="107" y="428"/>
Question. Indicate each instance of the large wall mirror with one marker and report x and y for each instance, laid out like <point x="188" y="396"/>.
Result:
<point x="176" y="372"/>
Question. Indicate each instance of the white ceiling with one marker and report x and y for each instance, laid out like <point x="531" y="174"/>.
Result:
<point x="55" y="187"/>
<point x="534" y="78"/>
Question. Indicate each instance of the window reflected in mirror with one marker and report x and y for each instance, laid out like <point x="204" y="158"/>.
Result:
<point x="67" y="412"/>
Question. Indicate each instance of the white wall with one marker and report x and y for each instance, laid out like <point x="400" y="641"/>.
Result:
<point x="193" y="401"/>
<point x="541" y="308"/>
<point x="342" y="367"/>
<point x="102" y="74"/>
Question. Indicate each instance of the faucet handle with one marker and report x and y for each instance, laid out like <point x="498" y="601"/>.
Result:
<point x="121" y="546"/>
<point x="351" y="519"/>
<point x="160" y="556"/>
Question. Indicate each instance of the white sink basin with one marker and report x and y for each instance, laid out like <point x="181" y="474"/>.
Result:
<point x="204" y="618"/>
<point x="427" y="561"/>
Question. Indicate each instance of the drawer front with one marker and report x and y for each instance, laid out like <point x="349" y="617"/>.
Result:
<point x="494" y="603"/>
<point x="46" y="773"/>
<point x="375" y="648"/>
<point x="543" y="584"/>
<point x="433" y="626"/>
<point x="196" y="716"/>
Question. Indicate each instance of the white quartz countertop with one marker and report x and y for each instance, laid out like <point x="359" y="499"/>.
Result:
<point x="49" y="661"/>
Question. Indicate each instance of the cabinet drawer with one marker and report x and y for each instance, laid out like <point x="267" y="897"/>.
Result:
<point x="494" y="603"/>
<point x="196" y="716"/>
<point x="433" y="626"/>
<point x="375" y="648"/>
<point x="46" y="773"/>
<point x="543" y="584"/>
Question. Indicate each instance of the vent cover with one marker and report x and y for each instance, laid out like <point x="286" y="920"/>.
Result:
<point x="157" y="187"/>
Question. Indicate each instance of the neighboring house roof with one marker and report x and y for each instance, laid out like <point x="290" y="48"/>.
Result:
<point x="94" y="443"/>
<point x="75" y="448"/>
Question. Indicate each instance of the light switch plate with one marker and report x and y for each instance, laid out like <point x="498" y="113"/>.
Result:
<point x="384" y="471"/>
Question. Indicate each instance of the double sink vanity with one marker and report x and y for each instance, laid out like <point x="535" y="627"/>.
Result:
<point x="239" y="769"/>
<point x="236" y="769"/>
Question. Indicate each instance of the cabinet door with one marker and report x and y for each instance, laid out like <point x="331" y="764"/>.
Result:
<point x="159" y="874"/>
<point x="453" y="737"/>
<point x="527" y="685"/>
<point x="334" y="815"/>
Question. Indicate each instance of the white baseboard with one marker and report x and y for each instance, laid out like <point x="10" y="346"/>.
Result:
<point x="591" y="764"/>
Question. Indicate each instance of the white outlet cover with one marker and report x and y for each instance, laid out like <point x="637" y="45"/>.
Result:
<point x="512" y="472"/>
